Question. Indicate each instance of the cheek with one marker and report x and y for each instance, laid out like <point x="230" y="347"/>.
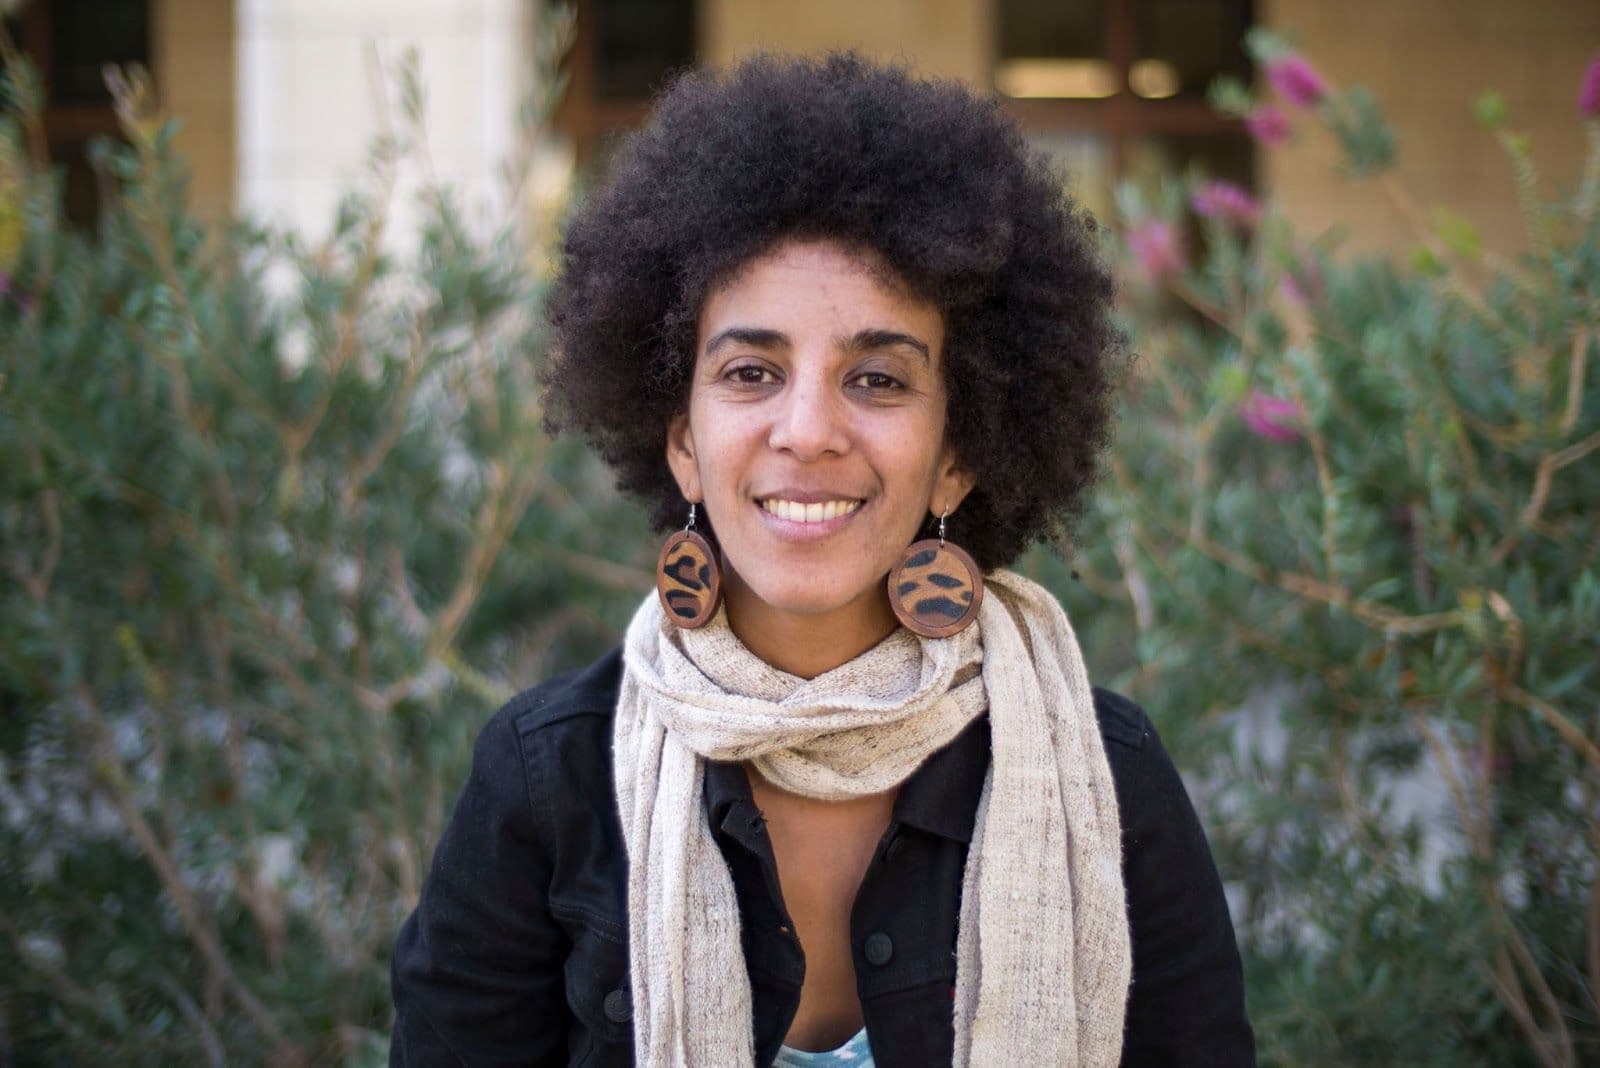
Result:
<point x="920" y="450"/>
<point x="723" y="443"/>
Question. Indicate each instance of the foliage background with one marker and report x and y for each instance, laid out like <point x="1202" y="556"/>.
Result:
<point x="279" y="530"/>
<point x="1349" y="550"/>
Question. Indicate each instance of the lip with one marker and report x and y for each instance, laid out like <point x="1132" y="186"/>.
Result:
<point x="792" y="531"/>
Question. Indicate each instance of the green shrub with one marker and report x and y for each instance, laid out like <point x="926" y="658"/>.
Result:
<point x="279" y="529"/>
<point x="1352" y="523"/>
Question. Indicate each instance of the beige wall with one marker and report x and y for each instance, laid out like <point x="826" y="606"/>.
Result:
<point x="1427" y="61"/>
<point x="314" y="94"/>
<point x="951" y="38"/>
<point x="192" y="61"/>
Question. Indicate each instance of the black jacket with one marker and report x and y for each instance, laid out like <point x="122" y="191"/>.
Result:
<point x="517" y="951"/>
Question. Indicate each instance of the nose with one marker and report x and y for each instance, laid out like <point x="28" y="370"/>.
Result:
<point x="809" y="420"/>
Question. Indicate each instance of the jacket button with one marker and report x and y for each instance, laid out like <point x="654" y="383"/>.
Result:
<point x="878" y="948"/>
<point x="619" y="1006"/>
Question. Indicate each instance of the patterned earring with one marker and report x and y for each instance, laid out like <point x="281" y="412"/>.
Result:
<point x="688" y="577"/>
<point x="936" y="588"/>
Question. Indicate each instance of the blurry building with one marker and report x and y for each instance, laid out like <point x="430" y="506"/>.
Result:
<point x="278" y="97"/>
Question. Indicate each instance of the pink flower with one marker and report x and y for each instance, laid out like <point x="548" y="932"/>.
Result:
<point x="1302" y="281"/>
<point x="7" y="290"/>
<point x="1228" y="202"/>
<point x="1294" y="291"/>
<point x="1589" y="91"/>
<point x="1158" y="248"/>
<point x="1271" y="417"/>
<point x="1296" y="80"/>
<point x="1268" y="124"/>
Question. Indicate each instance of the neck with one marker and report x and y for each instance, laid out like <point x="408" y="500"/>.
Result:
<point x="808" y="645"/>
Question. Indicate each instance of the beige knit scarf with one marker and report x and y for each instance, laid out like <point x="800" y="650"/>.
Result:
<point x="1042" y="953"/>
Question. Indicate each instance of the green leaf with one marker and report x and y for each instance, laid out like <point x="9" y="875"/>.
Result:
<point x="1426" y="262"/>
<point x="1457" y="233"/>
<point x="1230" y="96"/>
<point x="1490" y="110"/>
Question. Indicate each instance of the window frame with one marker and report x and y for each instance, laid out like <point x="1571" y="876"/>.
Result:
<point x="1124" y="117"/>
<point x="65" y="126"/>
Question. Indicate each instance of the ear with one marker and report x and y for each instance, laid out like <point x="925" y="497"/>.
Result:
<point x="952" y="485"/>
<point x="681" y="457"/>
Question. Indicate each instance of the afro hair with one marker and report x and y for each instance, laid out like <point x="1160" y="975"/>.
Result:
<point x="925" y="174"/>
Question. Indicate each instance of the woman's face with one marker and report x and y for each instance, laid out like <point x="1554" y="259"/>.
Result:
<point x="815" y="430"/>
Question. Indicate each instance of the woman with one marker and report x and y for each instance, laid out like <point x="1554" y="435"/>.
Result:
<point x="844" y="795"/>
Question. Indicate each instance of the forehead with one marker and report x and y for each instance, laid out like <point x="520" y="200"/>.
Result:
<point x="812" y="283"/>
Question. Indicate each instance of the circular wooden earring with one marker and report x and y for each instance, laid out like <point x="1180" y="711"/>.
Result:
<point x="688" y="577"/>
<point x="936" y="588"/>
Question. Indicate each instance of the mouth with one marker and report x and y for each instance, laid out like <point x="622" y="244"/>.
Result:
<point x="809" y="512"/>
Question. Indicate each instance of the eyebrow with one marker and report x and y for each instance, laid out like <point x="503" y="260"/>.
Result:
<point x="755" y="337"/>
<point x="863" y="340"/>
<point x="867" y="340"/>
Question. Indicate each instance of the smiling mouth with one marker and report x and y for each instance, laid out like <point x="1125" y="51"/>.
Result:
<point x="799" y="512"/>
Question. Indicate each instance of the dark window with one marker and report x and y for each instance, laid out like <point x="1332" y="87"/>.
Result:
<point x="70" y="42"/>
<point x="1191" y="43"/>
<point x="85" y="35"/>
<point x="1029" y="28"/>
<point x="638" y="44"/>
<point x="624" y="52"/>
<point x="1117" y="88"/>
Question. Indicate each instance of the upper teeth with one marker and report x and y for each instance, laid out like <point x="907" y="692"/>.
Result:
<point x="809" y="513"/>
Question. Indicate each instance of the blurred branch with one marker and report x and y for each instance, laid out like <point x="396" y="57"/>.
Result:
<point x="134" y="100"/>
<point x="1569" y="732"/>
<point x="215" y="1056"/>
<point x="1588" y="192"/>
<point x="1594" y="902"/>
<point x="1319" y="456"/>
<point x="1511" y="951"/>
<point x="1373" y="615"/>
<point x="36" y="579"/>
<point x="200" y="927"/>
<point x="1577" y="367"/>
<point x="1549" y="464"/>
<point x="399" y="407"/>
<point x="511" y="491"/>
<point x="620" y="577"/>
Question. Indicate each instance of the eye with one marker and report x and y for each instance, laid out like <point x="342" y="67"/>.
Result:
<point x="747" y="375"/>
<point x="876" y="380"/>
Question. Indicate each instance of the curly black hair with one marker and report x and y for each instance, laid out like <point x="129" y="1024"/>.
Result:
<point x="925" y="174"/>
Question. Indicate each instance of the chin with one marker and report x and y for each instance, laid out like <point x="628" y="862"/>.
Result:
<point x="804" y="596"/>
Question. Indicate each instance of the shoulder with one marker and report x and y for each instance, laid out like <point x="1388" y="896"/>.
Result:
<point x="1147" y="783"/>
<point x="584" y="693"/>
<point x="547" y="751"/>
<point x="571" y="703"/>
<point x="1126" y="733"/>
<point x="1121" y="720"/>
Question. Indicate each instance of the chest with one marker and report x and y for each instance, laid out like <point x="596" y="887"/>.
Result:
<point x="896" y="940"/>
<point x="822" y="849"/>
<point x="822" y="852"/>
